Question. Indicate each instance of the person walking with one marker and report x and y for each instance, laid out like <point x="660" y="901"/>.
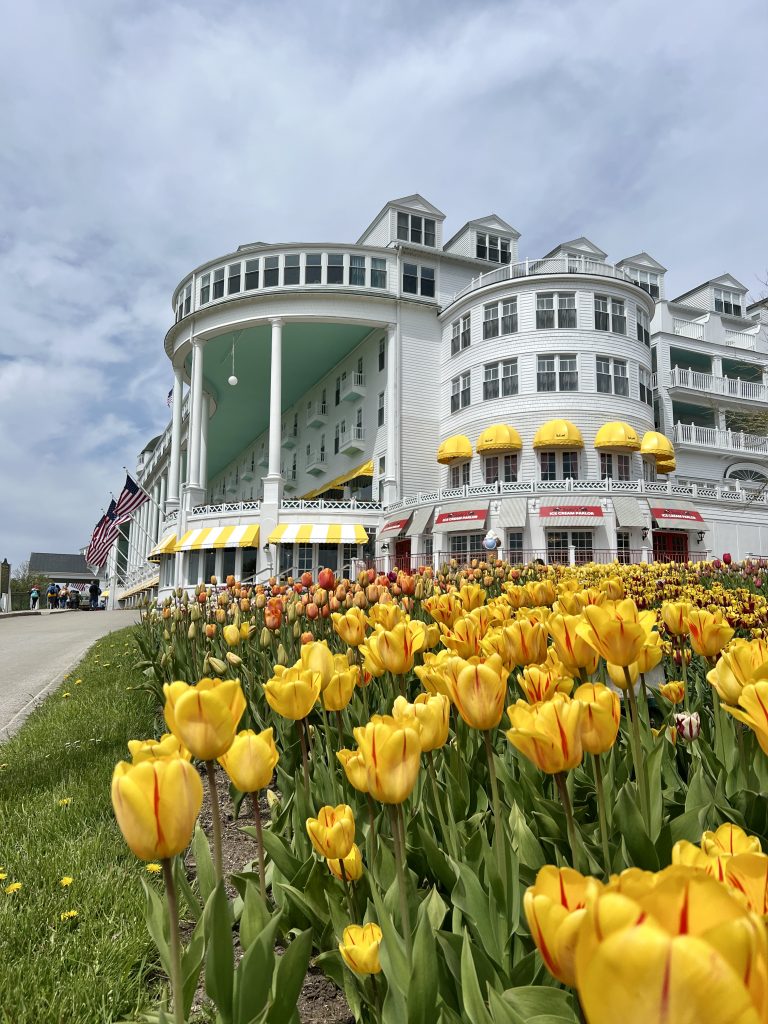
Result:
<point x="53" y="595"/>
<point x="94" y="590"/>
<point x="63" y="595"/>
<point x="34" y="597"/>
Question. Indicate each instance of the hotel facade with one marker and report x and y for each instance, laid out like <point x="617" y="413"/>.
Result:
<point x="396" y="400"/>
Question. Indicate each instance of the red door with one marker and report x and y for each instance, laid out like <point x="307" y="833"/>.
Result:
<point x="403" y="553"/>
<point x="670" y="546"/>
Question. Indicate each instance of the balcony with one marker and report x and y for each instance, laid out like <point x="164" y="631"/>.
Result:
<point x="727" y="387"/>
<point x="353" y="387"/>
<point x="315" y="462"/>
<point x="317" y="414"/>
<point x="291" y="437"/>
<point x="288" y="474"/>
<point x="740" y="339"/>
<point x="711" y="329"/>
<point x="352" y="441"/>
<point x="688" y="434"/>
<point x="550" y="265"/>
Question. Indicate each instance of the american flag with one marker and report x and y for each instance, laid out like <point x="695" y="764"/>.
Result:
<point x="103" y="537"/>
<point x="130" y="498"/>
<point x="169" y="399"/>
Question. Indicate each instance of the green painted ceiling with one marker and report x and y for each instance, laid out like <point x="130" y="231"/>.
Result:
<point x="309" y="352"/>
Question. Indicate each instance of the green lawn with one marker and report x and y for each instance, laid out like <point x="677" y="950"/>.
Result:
<point x="99" y="966"/>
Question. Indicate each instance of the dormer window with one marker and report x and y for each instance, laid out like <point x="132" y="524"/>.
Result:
<point x="646" y="280"/>
<point x="493" y="248"/>
<point x="411" y="227"/>
<point x="727" y="302"/>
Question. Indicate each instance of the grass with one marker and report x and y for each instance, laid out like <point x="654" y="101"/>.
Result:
<point x="101" y="965"/>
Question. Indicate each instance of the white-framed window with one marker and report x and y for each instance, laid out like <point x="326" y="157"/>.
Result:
<point x="468" y="545"/>
<point x="557" y="373"/>
<point x="618" y="316"/>
<point x="647" y="280"/>
<point x="458" y="476"/>
<point x="382" y="353"/>
<point x="555" y="310"/>
<point x="335" y="271"/>
<point x="493" y="248"/>
<point x="582" y="544"/>
<point x="602" y="318"/>
<point x="378" y="272"/>
<point x="623" y="553"/>
<point x="205" y="289"/>
<point x="313" y="268"/>
<point x="612" y="376"/>
<point x="500" y="468"/>
<point x="491" y="320"/>
<point x="461" y="334"/>
<point x="570" y="462"/>
<point x="643" y="322"/>
<point x="336" y="435"/>
<point x="304" y="557"/>
<point x="500" y="379"/>
<point x="218" y="283"/>
<point x="509" y="315"/>
<point x="728" y="302"/>
<point x="548" y="465"/>
<point x="271" y="272"/>
<point x="646" y="393"/>
<point x="418" y="280"/>
<point x="357" y="271"/>
<point x="412" y="227"/>
<point x="460" y="392"/>
<point x="292" y="268"/>
<point x="381" y="409"/>
<point x="466" y="331"/>
<point x="514" y="547"/>
<point x="616" y="467"/>
<point x="252" y="275"/>
<point x="490" y="381"/>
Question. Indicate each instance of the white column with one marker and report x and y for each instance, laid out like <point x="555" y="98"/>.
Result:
<point x="163" y="495"/>
<point x="202" y="475"/>
<point x="275" y="398"/>
<point x="717" y="366"/>
<point x="174" y="470"/>
<point x="155" y="514"/>
<point x="195" y="415"/>
<point x="391" y="467"/>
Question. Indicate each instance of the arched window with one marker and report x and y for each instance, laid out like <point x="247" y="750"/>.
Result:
<point x="749" y="476"/>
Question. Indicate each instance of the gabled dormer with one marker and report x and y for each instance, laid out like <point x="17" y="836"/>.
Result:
<point x="487" y="238"/>
<point x="645" y="272"/>
<point x="724" y="295"/>
<point x="410" y="220"/>
<point x="580" y="249"/>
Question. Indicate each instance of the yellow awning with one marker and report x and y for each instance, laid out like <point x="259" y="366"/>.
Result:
<point x="365" y="470"/>
<point x="138" y="588"/>
<point x="657" y="445"/>
<point x="665" y="466"/>
<point x="166" y="546"/>
<point x="310" y="533"/>
<point x="617" y="436"/>
<point x="219" y="537"/>
<point x="453" y="449"/>
<point x="499" y="438"/>
<point x="558" y="434"/>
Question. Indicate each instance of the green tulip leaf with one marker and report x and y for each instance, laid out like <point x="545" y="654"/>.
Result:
<point x="472" y="997"/>
<point x="191" y="964"/>
<point x="219" y="962"/>
<point x="201" y="851"/>
<point x="422" y="986"/>
<point x="157" y="924"/>
<point x="253" y="977"/>
<point x="255" y="915"/>
<point x="629" y="823"/>
<point x="289" y="977"/>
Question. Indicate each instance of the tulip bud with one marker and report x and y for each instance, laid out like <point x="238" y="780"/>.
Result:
<point x="265" y="639"/>
<point x="688" y="726"/>
<point x="194" y="613"/>
<point x="296" y="630"/>
<point x="282" y="655"/>
<point x="312" y="611"/>
<point x="233" y="659"/>
<point x="218" y="666"/>
<point x="192" y="631"/>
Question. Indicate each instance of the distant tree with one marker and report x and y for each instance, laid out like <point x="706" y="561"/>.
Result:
<point x="22" y="581"/>
<point x="748" y="422"/>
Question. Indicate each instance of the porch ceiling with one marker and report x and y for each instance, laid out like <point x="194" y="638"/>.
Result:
<point x="310" y="351"/>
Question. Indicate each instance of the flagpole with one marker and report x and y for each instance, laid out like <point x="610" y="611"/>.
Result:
<point x="136" y="523"/>
<point x="145" y="491"/>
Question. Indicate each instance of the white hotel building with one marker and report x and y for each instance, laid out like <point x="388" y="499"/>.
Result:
<point x="398" y="398"/>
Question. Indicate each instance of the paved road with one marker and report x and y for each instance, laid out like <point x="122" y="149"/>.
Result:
<point x="37" y="651"/>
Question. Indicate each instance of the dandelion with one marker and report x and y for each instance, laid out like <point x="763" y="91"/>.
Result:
<point x="65" y="881"/>
<point x="68" y="915"/>
<point x="154" y="869"/>
<point x="3" y="876"/>
<point x="13" y="887"/>
<point x="78" y="682"/>
<point x="65" y="801"/>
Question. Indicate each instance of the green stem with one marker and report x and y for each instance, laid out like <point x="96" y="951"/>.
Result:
<point x="499" y="834"/>
<point x="351" y="908"/>
<point x="601" y="813"/>
<point x="329" y="752"/>
<point x="259" y="843"/>
<point x="444" y="827"/>
<point x="637" y="751"/>
<point x="216" y="815"/>
<point x="304" y="756"/>
<point x="683" y="671"/>
<point x="565" y="800"/>
<point x="177" y="987"/>
<point x="398" y="834"/>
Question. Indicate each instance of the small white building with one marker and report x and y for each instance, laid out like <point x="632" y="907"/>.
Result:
<point x="394" y="399"/>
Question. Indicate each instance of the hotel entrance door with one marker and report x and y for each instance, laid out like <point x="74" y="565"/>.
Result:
<point x="670" y="546"/>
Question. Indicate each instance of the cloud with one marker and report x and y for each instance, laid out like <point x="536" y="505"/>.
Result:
<point x="140" y="139"/>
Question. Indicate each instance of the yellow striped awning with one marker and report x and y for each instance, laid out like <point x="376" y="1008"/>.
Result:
<point x="366" y="469"/>
<point x="219" y="537"/>
<point x="310" y="533"/>
<point x="166" y="546"/>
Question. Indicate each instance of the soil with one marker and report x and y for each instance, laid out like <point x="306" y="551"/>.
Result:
<point x="320" y="1001"/>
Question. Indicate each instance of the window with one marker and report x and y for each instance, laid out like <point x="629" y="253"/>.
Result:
<point x="429" y="232"/>
<point x="514" y="545"/>
<point x="557" y="546"/>
<point x="545" y="314"/>
<point x="646" y="394"/>
<point x="416" y="232"/>
<point x="549" y="302"/>
<point x="410" y="278"/>
<point x="509" y="316"/>
<point x="570" y="465"/>
<point x="335" y="269"/>
<point x="612" y="376"/>
<point x="603" y="375"/>
<point x="382" y="353"/>
<point x="643" y="326"/>
<point x="304" y="557"/>
<point x="460" y="392"/>
<point x="313" y="268"/>
<point x="378" y="273"/>
<point x="205" y="289"/>
<point x="546" y="378"/>
<point x="251" y="275"/>
<point x="291" y="269"/>
<point x="357" y="270"/>
<point x="620" y="378"/>
<point x="322" y="447"/>
<point x="455" y="337"/>
<point x="647" y="280"/>
<point x="623" y="466"/>
<point x="459" y="475"/>
<point x="271" y="271"/>
<point x="360" y="365"/>
<point x="622" y="547"/>
<point x="466" y="330"/>
<point x="509" y="377"/>
<point x="568" y="377"/>
<point x="493" y="248"/>
<point x="186" y="303"/>
<point x="466" y="545"/>
<point x="415" y="228"/>
<point x="601" y="313"/>
<point x="490" y="381"/>
<point x="381" y="409"/>
<point x="566" y="310"/>
<point x="491" y="321"/>
<point x="606" y="465"/>
<point x="500" y="467"/>
<point x="402" y="227"/>
<point x="500" y="378"/>
<point x="338" y="390"/>
<point x="336" y="439"/>
<point x="548" y="464"/>
<point x="218" y="283"/>
<point x="581" y="541"/>
<point x="426" y="548"/>
<point x="428" y="282"/>
<point x="727" y="302"/>
<point x="618" y="317"/>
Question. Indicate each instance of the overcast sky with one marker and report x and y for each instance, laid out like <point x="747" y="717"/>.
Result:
<point x="139" y="139"/>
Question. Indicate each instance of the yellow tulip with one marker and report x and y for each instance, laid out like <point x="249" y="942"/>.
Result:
<point x="729" y="840"/>
<point x="574" y="652"/>
<point x="332" y="832"/>
<point x="397" y="647"/>
<point x="156" y="804"/>
<point x="555" y="908"/>
<point x="167" y="746"/>
<point x="526" y="643"/>
<point x="231" y="635"/>
<point x="754" y="702"/>
<point x="385" y="615"/>
<point x="651" y="652"/>
<point x="316" y="657"/>
<point x="618" y="675"/>
<point x="250" y="761"/>
<point x="430" y="713"/>
<point x="372" y="663"/>
<point x="338" y="692"/>
<point x="745" y="662"/>
<point x="354" y="768"/>
<point x="571" y="604"/>
<point x="438" y="670"/>
<point x="517" y="596"/>
<point x="479" y="691"/>
<point x="673" y="691"/>
<point x="353" y="865"/>
<point x="444" y="608"/>
<point x="613" y="588"/>
<point x="351" y="626"/>
<point x="359" y="947"/>
<point x="294" y="692"/>
<point x="748" y="874"/>
<point x="204" y="717"/>
<point x="431" y="635"/>
<point x="613" y="629"/>
<point x="709" y="633"/>
<point x="600" y="717"/>
<point x="463" y="637"/>
<point x="549" y="734"/>
<point x="471" y="596"/>
<point x="687" y="855"/>
<point x="391" y="752"/>
<point x="539" y="682"/>
<point x="675" y="616"/>
<point x="542" y="592"/>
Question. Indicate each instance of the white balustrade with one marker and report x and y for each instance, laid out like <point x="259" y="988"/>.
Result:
<point x="548" y="265"/>
<point x="730" y="387"/>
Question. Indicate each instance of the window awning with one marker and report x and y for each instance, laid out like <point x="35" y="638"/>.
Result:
<point x="471" y="515"/>
<point x="681" y="514"/>
<point x="419" y="521"/>
<point x="393" y="527"/>
<point x="366" y="469"/>
<point x="166" y="546"/>
<point x="569" y="511"/>
<point x="219" y="537"/>
<point x="513" y="513"/>
<point x="311" y="533"/>
<point x="630" y="512"/>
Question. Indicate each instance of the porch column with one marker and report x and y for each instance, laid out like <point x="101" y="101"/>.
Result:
<point x="391" y="467"/>
<point x="195" y="415"/>
<point x="273" y="481"/>
<point x="156" y="514"/>
<point x="174" y="470"/>
<point x="205" y="417"/>
<point x="717" y="366"/>
<point x="163" y="494"/>
<point x="721" y="419"/>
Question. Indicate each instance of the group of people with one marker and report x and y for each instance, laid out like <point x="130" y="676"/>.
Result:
<point x="61" y="595"/>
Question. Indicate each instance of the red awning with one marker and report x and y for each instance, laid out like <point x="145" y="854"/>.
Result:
<point x="393" y="527"/>
<point x="676" y="514"/>
<point x="461" y="519"/>
<point x="583" y="511"/>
